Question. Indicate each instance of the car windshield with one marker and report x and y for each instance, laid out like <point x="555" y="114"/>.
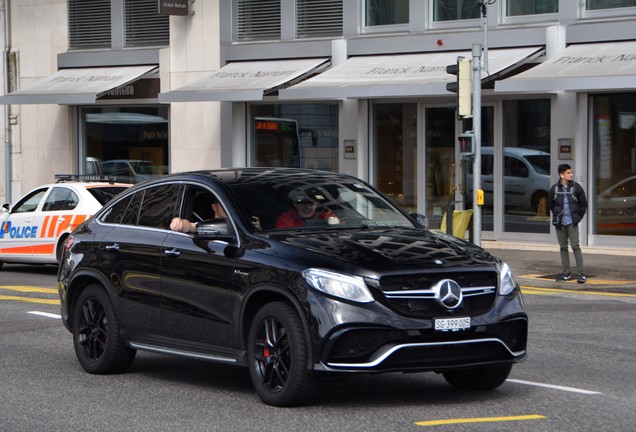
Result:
<point x="106" y="193"/>
<point x="541" y="163"/>
<point x="316" y="205"/>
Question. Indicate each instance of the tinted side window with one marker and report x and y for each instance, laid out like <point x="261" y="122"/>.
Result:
<point x="115" y="214"/>
<point x="158" y="207"/>
<point x="514" y="167"/>
<point x="61" y="198"/>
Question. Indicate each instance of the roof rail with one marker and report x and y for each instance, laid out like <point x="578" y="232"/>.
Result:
<point x="60" y="178"/>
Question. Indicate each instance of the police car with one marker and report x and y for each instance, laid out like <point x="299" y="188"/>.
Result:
<point x="33" y="230"/>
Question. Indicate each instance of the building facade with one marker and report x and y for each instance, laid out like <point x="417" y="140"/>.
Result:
<point x="350" y="86"/>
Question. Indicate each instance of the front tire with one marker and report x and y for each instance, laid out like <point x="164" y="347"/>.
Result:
<point x="96" y="334"/>
<point x="484" y="378"/>
<point x="278" y="355"/>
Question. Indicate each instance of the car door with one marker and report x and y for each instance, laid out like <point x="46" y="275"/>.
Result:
<point x="17" y="228"/>
<point x="54" y="218"/>
<point x="131" y="254"/>
<point x="516" y="188"/>
<point x="198" y="297"/>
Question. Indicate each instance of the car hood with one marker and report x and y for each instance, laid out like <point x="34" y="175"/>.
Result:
<point x="382" y="250"/>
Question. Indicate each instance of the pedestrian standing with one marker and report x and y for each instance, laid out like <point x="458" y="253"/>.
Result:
<point x="568" y="205"/>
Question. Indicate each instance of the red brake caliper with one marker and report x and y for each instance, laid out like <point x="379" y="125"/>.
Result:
<point x="266" y="352"/>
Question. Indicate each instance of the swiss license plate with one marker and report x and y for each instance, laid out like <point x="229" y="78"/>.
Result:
<point x="452" y="324"/>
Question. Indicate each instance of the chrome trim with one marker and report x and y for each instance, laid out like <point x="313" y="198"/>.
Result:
<point x="429" y="293"/>
<point x="182" y="353"/>
<point x="390" y="350"/>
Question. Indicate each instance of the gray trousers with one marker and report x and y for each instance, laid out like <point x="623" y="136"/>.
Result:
<point x="571" y="233"/>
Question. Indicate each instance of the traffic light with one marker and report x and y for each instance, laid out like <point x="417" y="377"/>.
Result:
<point x="466" y="143"/>
<point x="462" y="86"/>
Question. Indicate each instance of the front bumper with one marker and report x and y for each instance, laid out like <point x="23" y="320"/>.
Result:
<point x="384" y="350"/>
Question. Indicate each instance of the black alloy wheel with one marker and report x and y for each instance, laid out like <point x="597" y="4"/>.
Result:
<point x="96" y="337"/>
<point x="278" y="355"/>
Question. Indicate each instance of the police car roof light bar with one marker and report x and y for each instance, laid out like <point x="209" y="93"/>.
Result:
<point x="59" y="178"/>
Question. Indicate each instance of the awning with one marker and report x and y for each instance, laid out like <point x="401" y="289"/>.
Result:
<point x="246" y="81"/>
<point x="368" y="77"/>
<point x="76" y="86"/>
<point x="585" y="67"/>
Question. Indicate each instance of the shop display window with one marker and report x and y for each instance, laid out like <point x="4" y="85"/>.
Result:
<point x="294" y="135"/>
<point x="613" y="140"/>
<point x="128" y="142"/>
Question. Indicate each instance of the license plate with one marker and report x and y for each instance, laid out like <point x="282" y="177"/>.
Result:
<point x="452" y="324"/>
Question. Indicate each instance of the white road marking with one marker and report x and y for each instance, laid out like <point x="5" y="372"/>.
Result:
<point x="552" y="386"/>
<point x="45" y="314"/>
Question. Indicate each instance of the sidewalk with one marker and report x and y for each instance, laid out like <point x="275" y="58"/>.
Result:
<point x="611" y="270"/>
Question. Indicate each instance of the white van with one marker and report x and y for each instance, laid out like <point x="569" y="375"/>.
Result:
<point x="526" y="177"/>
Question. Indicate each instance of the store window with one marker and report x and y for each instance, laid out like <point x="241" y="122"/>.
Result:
<point x="128" y="142"/>
<point x="394" y="154"/>
<point x="386" y="12"/>
<point x="526" y="165"/>
<point x="453" y="10"/>
<point x="613" y="126"/>
<point x="294" y="135"/>
<point x="440" y="162"/>
<point x="531" y="7"/>
<point x="608" y="4"/>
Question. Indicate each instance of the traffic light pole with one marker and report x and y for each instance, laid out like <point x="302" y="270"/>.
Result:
<point x="477" y="138"/>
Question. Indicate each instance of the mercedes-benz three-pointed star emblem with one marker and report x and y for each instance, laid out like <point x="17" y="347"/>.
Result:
<point x="448" y="294"/>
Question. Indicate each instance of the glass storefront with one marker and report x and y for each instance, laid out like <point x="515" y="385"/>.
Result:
<point x="613" y="141"/>
<point x="394" y="153"/>
<point x="440" y="162"/>
<point x="129" y="142"/>
<point x="294" y="135"/>
<point x="526" y="165"/>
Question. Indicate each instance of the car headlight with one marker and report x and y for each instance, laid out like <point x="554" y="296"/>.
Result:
<point x="507" y="282"/>
<point x="339" y="285"/>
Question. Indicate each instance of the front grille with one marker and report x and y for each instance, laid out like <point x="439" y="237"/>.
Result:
<point x="412" y="295"/>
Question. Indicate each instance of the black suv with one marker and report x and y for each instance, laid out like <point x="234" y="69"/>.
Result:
<point x="296" y="274"/>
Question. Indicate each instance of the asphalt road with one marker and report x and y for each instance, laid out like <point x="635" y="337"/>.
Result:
<point x="579" y="376"/>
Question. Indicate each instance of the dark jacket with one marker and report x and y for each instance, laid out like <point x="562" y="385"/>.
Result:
<point x="576" y="196"/>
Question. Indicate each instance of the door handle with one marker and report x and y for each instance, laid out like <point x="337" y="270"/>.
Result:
<point x="174" y="252"/>
<point x="112" y="247"/>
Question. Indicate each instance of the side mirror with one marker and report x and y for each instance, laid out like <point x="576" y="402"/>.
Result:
<point x="421" y="220"/>
<point x="214" y="229"/>
<point x="6" y="207"/>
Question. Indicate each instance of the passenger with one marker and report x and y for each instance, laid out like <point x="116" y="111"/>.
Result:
<point x="185" y="226"/>
<point x="304" y="213"/>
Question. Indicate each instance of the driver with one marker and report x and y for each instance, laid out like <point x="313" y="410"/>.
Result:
<point x="304" y="213"/>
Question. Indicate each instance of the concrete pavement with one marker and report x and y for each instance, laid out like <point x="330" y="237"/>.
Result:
<point x="610" y="270"/>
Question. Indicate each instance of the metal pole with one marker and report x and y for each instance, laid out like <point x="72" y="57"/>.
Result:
<point x="477" y="138"/>
<point x="484" y="26"/>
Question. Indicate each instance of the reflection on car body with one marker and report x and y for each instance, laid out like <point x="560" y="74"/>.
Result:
<point x="375" y="292"/>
